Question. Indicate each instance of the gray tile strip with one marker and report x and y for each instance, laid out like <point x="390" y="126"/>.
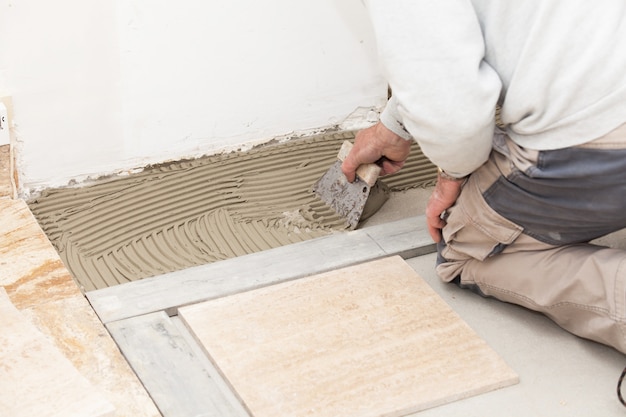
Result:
<point x="180" y="380"/>
<point x="173" y="367"/>
<point x="407" y="238"/>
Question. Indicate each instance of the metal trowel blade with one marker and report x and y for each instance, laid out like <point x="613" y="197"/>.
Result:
<point x="346" y="198"/>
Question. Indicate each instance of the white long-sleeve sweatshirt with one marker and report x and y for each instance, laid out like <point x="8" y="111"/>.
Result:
<point x="556" y="67"/>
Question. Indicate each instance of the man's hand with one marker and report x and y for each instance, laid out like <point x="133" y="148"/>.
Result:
<point x="442" y="198"/>
<point x="372" y="144"/>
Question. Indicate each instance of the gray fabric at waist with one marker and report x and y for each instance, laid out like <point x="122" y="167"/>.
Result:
<point x="572" y="195"/>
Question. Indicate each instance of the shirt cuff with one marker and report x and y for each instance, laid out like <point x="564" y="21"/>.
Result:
<point x="390" y="117"/>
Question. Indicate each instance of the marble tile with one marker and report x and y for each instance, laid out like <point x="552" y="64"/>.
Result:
<point x="41" y="288"/>
<point x="31" y="270"/>
<point x="77" y="332"/>
<point x="36" y="379"/>
<point x="371" y="340"/>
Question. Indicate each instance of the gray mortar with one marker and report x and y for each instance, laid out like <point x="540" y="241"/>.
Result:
<point x="194" y="212"/>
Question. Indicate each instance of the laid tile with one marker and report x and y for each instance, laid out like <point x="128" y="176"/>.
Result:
<point x="39" y="285"/>
<point x="179" y="377"/>
<point x="76" y="331"/>
<point x="372" y="339"/>
<point x="31" y="270"/>
<point x="36" y="379"/>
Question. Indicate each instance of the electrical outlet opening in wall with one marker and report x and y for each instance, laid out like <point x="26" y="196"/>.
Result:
<point x="5" y="138"/>
<point x="8" y="176"/>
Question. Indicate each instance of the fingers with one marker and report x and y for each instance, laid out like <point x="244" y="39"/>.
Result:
<point x="349" y="167"/>
<point x="363" y="151"/>
<point x="442" y="198"/>
<point x="390" y="167"/>
<point x="370" y="145"/>
<point x="435" y="224"/>
<point x="435" y="233"/>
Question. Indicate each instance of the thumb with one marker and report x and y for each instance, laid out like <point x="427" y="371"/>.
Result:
<point x="349" y="167"/>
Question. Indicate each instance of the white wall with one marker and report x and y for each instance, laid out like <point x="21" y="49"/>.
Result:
<point x="105" y="86"/>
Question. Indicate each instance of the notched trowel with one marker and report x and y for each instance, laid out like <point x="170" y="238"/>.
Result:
<point x="352" y="201"/>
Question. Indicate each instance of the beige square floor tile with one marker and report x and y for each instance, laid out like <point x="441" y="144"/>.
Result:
<point x="369" y="340"/>
<point x="39" y="285"/>
<point x="32" y="271"/>
<point x="36" y="379"/>
<point x="76" y="332"/>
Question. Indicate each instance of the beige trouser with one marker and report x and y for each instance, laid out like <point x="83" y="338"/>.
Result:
<point x="582" y="287"/>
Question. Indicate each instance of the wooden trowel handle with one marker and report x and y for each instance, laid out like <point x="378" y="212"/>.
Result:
<point x="367" y="172"/>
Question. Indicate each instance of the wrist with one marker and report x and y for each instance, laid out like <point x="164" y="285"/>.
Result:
<point x="387" y="135"/>
<point x="441" y="174"/>
<point x="395" y="147"/>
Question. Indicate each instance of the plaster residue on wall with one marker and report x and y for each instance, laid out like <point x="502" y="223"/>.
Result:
<point x="194" y="212"/>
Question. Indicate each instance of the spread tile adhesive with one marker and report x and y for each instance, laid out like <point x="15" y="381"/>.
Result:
<point x="187" y="213"/>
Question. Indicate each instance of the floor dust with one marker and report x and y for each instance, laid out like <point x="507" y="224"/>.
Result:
<point x="188" y="213"/>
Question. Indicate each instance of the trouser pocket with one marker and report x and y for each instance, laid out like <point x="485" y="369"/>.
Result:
<point x="474" y="231"/>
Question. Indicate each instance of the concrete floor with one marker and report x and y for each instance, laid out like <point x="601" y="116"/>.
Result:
<point x="560" y="374"/>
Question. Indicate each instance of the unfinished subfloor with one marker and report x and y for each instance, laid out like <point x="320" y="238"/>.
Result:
<point x="560" y="374"/>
